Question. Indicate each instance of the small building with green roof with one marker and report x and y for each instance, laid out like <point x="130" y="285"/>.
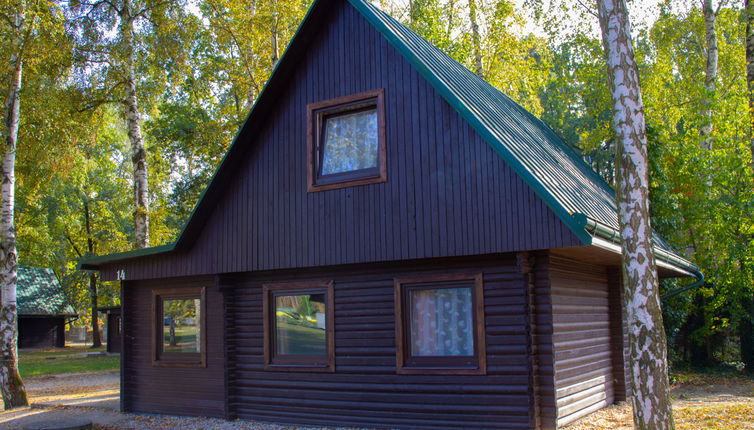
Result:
<point x="42" y="308"/>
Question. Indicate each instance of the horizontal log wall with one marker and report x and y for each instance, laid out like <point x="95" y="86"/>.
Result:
<point x="365" y="389"/>
<point x="541" y="338"/>
<point x="447" y="192"/>
<point x="582" y="337"/>
<point x="170" y="390"/>
<point x="619" y="330"/>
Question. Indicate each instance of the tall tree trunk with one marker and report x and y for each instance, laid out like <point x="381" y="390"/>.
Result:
<point x="476" y="39"/>
<point x="749" y="5"/>
<point x="11" y="385"/>
<point x="274" y="35"/>
<point x="173" y="341"/>
<point x="133" y="120"/>
<point x="96" y="341"/>
<point x="710" y="74"/>
<point x="648" y="360"/>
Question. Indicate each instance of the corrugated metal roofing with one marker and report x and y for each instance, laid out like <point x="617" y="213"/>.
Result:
<point x="552" y="168"/>
<point x="39" y="293"/>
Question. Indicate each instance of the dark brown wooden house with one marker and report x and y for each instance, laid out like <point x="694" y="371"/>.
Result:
<point x="42" y="308"/>
<point x="389" y="242"/>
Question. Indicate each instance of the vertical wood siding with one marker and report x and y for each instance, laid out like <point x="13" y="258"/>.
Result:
<point x="582" y="337"/>
<point x="447" y="192"/>
<point x="170" y="390"/>
<point x="365" y="390"/>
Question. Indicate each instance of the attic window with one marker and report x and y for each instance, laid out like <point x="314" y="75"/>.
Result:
<point x="346" y="141"/>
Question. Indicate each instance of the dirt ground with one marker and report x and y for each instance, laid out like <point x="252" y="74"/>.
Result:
<point x="700" y="402"/>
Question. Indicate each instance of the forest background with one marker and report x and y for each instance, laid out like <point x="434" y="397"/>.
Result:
<point x="195" y="67"/>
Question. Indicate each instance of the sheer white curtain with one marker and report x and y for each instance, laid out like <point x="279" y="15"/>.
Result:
<point x="441" y="322"/>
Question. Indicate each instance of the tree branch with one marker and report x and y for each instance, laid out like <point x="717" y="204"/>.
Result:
<point x="587" y="9"/>
<point x="94" y="104"/>
<point x="720" y="6"/>
<point x="147" y="9"/>
<point x="73" y="245"/>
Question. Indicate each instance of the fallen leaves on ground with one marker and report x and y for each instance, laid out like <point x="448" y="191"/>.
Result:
<point x="699" y="402"/>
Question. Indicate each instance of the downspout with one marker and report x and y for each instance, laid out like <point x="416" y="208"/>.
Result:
<point x="698" y="283"/>
<point x="608" y="233"/>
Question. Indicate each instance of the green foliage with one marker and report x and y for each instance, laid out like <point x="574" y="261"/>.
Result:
<point x="201" y="66"/>
<point x="702" y="201"/>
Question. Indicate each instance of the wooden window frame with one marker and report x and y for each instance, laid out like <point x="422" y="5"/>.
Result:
<point x="448" y="365"/>
<point x="178" y="359"/>
<point x="290" y="363"/>
<point x="316" y="113"/>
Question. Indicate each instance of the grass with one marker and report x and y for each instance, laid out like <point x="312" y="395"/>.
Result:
<point x="65" y="360"/>
<point x="185" y="338"/>
<point x="299" y="339"/>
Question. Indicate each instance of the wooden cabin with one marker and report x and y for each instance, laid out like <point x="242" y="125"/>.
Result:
<point x="389" y="242"/>
<point x="42" y="308"/>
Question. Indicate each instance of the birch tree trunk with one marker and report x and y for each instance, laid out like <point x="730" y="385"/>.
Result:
<point x="133" y="121"/>
<point x="476" y="39"/>
<point x="11" y="385"/>
<point x="710" y="74"/>
<point x="648" y="361"/>
<point x="749" y="6"/>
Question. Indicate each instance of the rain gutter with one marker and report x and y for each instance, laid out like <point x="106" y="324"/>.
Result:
<point x="612" y="236"/>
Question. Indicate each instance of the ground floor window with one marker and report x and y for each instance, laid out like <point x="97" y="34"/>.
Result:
<point x="179" y="327"/>
<point x="440" y="324"/>
<point x="298" y="326"/>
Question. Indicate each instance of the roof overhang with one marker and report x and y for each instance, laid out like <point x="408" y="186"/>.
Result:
<point x="94" y="262"/>
<point x="605" y="248"/>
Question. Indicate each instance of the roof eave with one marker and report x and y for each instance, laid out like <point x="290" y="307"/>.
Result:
<point x="606" y="237"/>
<point x="94" y="262"/>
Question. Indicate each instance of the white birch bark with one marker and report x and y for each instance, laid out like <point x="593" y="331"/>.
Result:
<point x="11" y="385"/>
<point x="647" y="358"/>
<point x="476" y="39"/>
<point x="133" y="122"/>
<point x="710" y="74"/>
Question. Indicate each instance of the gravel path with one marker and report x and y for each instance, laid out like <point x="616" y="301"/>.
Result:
<point x="102" y="389"/>
<point x="53" y="387"/>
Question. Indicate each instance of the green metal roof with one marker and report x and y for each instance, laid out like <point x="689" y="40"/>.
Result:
<point x="570" y="188"/>
<point x="550" y="167"/>
<point x="39" y="293"/>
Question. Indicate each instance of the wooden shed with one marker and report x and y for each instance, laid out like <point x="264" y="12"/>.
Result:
<point x="42" y="309"/>
<point x="114" y="328"/>
<point x="389" y="242"/>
